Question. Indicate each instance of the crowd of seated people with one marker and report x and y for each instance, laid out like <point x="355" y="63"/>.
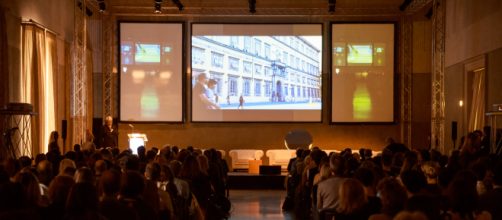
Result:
<point x="399" y="183"/>
<point x="167" y="183"/>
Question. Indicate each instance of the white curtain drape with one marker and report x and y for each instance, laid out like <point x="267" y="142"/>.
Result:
<point x="477" y="111"/>
<point x="37" y="77"/>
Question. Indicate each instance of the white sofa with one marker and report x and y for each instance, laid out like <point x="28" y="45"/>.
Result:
<point x="240" y="157"/>
<point x="280" y="157"/>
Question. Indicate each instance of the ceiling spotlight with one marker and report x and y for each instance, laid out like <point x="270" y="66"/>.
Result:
<point x="178" y="4"/>
<point x="331" y="6"/>
<point x="102" y="6"/>
<point x="252" y="6"/>
<point x="158" y="7"/>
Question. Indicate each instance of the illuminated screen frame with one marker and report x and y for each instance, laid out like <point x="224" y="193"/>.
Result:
<point x="179" y="116"/>
<point x="272" y="114"/>
<point x="344" y="62"/>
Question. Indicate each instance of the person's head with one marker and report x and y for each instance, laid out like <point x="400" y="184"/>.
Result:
<point x="64" y="165"/>
<point x="141" y="151"/>
<point x="110" y="182"/>
<point x="365" y="176"/>
<point x="132" y="184"/>
<point x="99" y="167"/>
<point x="430" y="170"/>
<point x="175" y="166"/>
<point x="82" y="198"/>
<point x="413" y="180"/>
<point x="461" y="193"/>
<point x="84" y="175"/>
<point x="212" y="83"/>
<point x="325" y="171"/>
<point x="44" y="170"/>
<point x="59" y="190"/>
<point x="190" y="168"/>
<point x="352" y="196"/>
<point x="392" y="194"/>
<point x="405" y="215"/>
<point x="108" y="120"/>
<point x="203" y="163"/>
<point x="152" y="171"/>
<point x="53" y="136"/>
<point x="337" y="164"/>
<point x="202" y="78"/>
<point x="30" y="185"/>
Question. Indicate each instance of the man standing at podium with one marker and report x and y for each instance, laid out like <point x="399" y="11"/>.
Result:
<point x="110" y="134"/>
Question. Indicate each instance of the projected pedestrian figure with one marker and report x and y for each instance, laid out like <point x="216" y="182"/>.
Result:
<point x="241" y="103"/>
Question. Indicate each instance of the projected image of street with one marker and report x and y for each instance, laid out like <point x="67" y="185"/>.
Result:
<point x="258" y="72"/>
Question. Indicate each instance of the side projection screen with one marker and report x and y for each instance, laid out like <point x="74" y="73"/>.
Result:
<point x="362" y="79"/>
<point x="151" y="72"/>
<point x="256" y="72"/>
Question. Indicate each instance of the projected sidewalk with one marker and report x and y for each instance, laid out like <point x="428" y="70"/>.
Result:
<point x="275" y="105"/>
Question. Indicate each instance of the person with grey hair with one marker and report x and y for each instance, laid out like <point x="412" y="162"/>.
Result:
<point x="110" y="134"/>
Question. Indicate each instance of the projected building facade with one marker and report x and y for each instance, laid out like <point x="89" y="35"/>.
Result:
<point x="261" y="69"/>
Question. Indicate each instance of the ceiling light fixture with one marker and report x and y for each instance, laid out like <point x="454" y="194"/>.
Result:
<point x="158" y="7"/>
<point x="102" y="6"/>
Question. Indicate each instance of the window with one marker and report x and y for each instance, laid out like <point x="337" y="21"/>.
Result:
<point x="286" y="90"/>
<point x="298" y="91"/>
<point x="257" y="69"/>
<point x="268" y="88"/>
<point x="232" y="85"/>
<point x="291" y="59"/>
<point x="216" y="59"/>
<point x="268" y="71"/>
<point x="247" y="67"/>
<point x="257" y="88"/>
<point x="246" y="87"/>
<point x="257" y="46"/>
<point x="284" y="57"/>
<point x="247" y="44"/>
<point x="293" y="91"/>
<point x="233" y="63"/>
<point x="267" y="50"/>
<point x="234" y="41"/>
<point x="297" y="64"/>
<point x="198" y="55"/>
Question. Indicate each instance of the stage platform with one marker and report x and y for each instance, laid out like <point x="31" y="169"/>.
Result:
<point x="244" y="180"/>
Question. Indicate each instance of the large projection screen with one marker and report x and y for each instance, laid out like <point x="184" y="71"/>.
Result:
<point x="150" y="71"/>
<point x="256" y="72"/>
<point x="362" y="74"/>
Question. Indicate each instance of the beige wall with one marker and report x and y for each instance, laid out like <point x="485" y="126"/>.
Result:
<point x="473" y="27"/>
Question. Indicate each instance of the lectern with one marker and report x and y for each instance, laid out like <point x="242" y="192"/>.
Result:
<point x="136" y="140"/>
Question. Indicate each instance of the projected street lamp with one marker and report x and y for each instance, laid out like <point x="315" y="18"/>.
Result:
<point x="278" y="70"/>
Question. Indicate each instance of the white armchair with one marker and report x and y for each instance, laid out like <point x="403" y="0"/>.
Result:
<point x="280" y="157"/>
<point x="240" y="157"/>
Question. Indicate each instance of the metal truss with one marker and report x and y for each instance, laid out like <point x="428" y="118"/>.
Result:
<point x="107" y="36"/>
<point x="406" y="69"/>
<point x="438" y="62"/>
<point x="79" y="73"/>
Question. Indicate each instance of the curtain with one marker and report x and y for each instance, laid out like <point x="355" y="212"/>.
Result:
<point x="37" y="76"/>
<point x="477" y="111"/>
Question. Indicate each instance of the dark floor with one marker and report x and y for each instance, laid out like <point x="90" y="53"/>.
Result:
<point x="258" y="204"/>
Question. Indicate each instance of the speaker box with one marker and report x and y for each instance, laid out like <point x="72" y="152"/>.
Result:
<point x="64" y="128"/>
<point x="270" y="170"/>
